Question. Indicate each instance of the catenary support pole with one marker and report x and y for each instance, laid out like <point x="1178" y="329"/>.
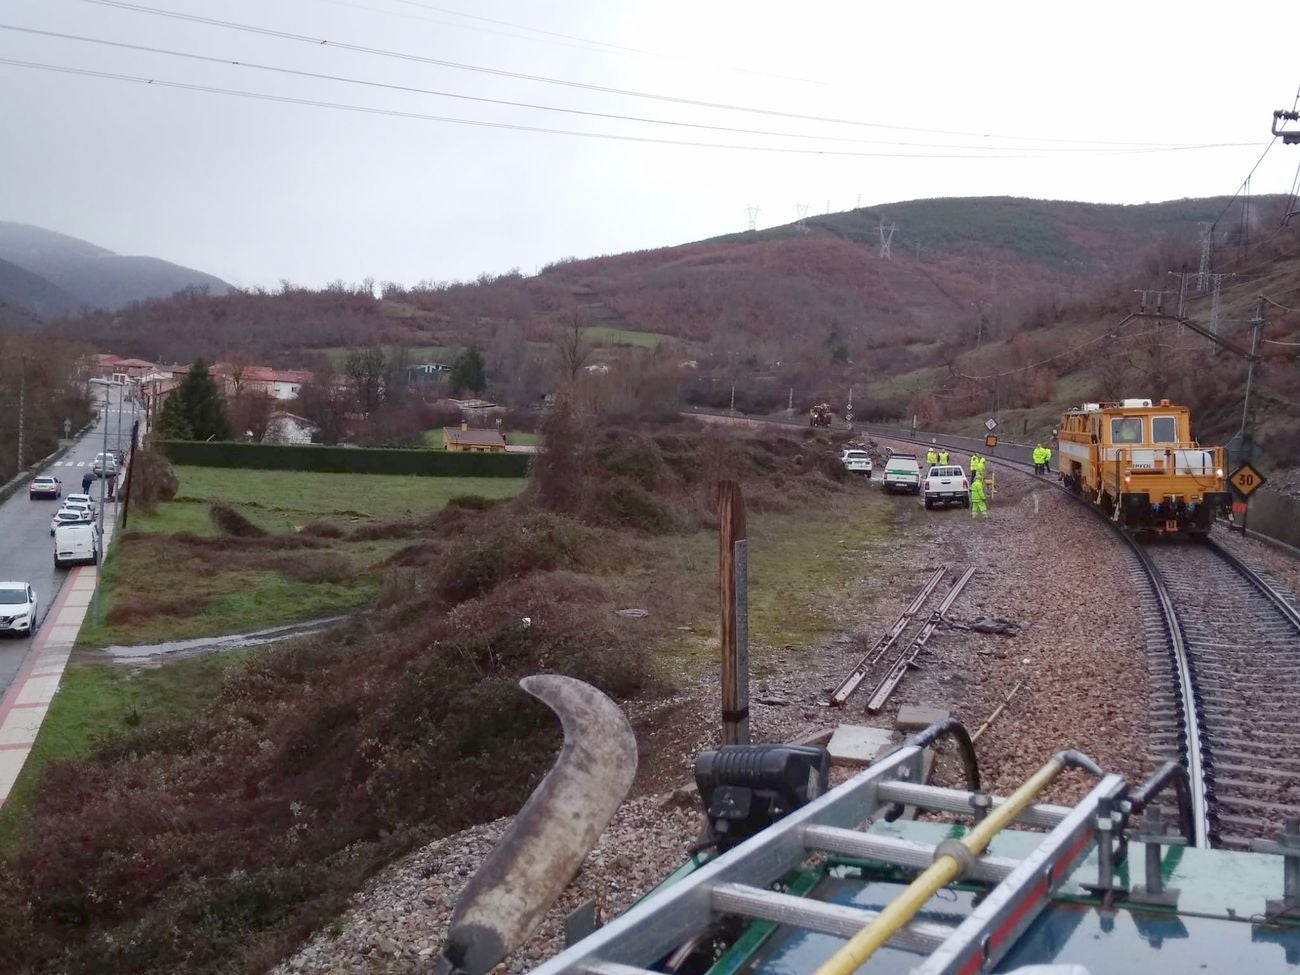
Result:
<point x="733" y="586"/>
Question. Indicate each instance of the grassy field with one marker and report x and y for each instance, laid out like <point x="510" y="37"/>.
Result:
<point x="801" y="569"/>
<point x="603" y="335"/>
<point x="97" y="700"/>
<point x="154" y="593"/>
<point x="284" y="500"/>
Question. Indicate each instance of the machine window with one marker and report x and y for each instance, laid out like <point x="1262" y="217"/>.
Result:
<point x="1126" y="429"/>
<point x="1164" y="429"/>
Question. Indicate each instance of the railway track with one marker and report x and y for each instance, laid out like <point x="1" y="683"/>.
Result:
<point x="1240" y="639"/>
<point x="1223" y="648"/>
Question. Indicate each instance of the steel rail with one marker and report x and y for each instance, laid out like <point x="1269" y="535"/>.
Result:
<point x="881" y="647"/>
<point x="906" y="659"/>
<point x="1261" y="584"/>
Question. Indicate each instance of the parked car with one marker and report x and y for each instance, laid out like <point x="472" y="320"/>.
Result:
<point x="17" y="608"/>
<point x="86" y="510"/>
<point x="66" y="516"/>
<point x="856" y="461"/>
<point x="119" y="456"/>
<point x="902" y="474"/>
<point x="104" y="464"/>
<point x="44" y="487"/>
<point x="76" y="543"/>
<point x="946" y="484"/>
<point x="85" y="499"/>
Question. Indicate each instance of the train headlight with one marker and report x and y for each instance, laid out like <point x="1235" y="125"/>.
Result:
<point x="1128" y="478"/>
<point x="1218" y="472"/>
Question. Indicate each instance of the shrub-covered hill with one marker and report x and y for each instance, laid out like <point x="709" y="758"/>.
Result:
<point x="213" y="846"/>
<point x="776" y="292"/>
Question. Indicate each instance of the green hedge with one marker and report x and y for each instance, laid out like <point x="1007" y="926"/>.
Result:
<point x="344" y="460"/>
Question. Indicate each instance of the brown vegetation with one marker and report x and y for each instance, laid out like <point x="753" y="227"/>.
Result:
<point x="152" y="480"/>
<point x="214" y="846"/>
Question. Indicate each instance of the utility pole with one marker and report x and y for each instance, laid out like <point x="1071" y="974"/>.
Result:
<point x="753" y="212"/>
<point x="886" y="239"/>
<point x="22" y="402"/>
<point x="1289" y="137"/>
<point x="790" y="408"/>
<point x="1247" y="428"/>
<point x="802" y="210"/>
<point x="1182" y="289"/>
<point x="1207" y="240"/>
<point x="733" y="397"/>
<point x="1214" y="303"/>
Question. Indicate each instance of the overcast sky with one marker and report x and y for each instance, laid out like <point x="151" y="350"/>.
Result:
<point x="965" y="96"/>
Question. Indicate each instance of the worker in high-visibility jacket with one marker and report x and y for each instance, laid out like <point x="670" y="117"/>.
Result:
<point x="931" y="458"/>
<point x="943" y="455"/>
<point x="1047" y="459"/>
<point x="978" y="506"/>
<point x="976" y="466"/>
<point x="1038" y="458"/>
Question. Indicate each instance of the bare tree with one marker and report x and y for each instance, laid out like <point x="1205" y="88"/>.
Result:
<point x="250" y="414"/>
<point x="367" y="369"/>
<point x="572" y="353"/>
<point x="237" y="365"/>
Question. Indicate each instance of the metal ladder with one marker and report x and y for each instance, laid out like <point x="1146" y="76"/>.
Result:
<point x="737" y="883"/>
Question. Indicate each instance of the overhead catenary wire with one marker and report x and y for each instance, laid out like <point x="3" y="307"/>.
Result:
<point x="483" y="123"/>
<point x="612" y="116"/>
<point x="572" y="41"/>
<point x="588" y="86"/>
<point x="1279" y="305"/>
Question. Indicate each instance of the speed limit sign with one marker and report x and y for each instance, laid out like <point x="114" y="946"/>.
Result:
<point x="1246" y="480"/>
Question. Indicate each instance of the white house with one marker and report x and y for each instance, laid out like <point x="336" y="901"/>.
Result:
<point x="289" y="428"/>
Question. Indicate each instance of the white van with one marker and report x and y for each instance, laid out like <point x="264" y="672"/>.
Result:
<point x="76" y="543"/>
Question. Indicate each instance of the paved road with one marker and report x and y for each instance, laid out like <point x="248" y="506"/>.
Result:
<point x="26" y="549"/>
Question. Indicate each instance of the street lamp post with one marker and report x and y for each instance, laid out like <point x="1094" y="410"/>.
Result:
<point x="103" y="485"/>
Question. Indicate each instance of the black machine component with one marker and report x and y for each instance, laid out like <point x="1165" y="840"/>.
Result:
<point x="745" y="788"/>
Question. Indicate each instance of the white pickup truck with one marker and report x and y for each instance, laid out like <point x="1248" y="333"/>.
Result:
<point x="902" y="474"/>
<point x="946" y="484"/>
<point x="856" y="461"/>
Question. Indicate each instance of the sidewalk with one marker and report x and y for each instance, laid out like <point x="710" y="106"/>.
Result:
<point x="28" y="698"/>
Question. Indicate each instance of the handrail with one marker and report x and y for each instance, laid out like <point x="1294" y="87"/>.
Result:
<point x="952" y="859"/>
<point x="1169" y="772"/>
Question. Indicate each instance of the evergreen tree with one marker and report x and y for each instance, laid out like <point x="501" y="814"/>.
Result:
<point x="469" y="371"/>
<point x="196" y="410"/>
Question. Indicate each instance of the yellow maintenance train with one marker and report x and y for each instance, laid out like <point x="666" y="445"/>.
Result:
<point x="1139" y="463"/>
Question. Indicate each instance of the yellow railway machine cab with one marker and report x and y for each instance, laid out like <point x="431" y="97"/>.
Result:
<point x="1139" y="463"/>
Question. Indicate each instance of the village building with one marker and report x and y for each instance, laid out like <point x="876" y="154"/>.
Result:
<point x="462" y="438"/>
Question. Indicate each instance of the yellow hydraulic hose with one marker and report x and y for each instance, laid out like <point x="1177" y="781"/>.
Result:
<point x="945" y="869"/>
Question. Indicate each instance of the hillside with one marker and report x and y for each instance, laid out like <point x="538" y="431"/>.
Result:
<point x="20" y="289"/>
<point x="90" y="276"/>
<point x="958" y="267"/>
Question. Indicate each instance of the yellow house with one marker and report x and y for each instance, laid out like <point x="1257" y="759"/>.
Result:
<point x="482" y="441"/>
